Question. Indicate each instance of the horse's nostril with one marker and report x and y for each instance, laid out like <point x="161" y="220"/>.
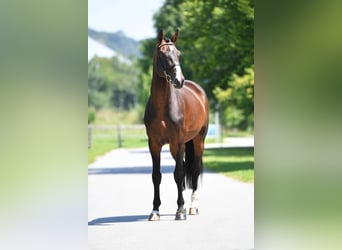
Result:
<point x="178" y="84"/>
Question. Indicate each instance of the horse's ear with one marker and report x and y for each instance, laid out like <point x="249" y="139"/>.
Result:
<point x="160" y="37"/>
<point x="175" y="36"/>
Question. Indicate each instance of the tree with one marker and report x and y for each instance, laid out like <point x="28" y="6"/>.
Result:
<point x="217" y="46"/>
<point x="237" y="101"/>
<point x="112" y="83"/>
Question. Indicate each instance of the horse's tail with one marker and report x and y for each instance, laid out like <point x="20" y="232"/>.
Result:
<point x="191" y="171"/>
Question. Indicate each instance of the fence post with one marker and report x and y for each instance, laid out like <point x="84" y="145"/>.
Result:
<point x="89" y="135"/>
<point x="119" y="137"/>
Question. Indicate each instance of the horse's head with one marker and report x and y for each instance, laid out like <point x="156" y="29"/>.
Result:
<point x="168" y="65"/>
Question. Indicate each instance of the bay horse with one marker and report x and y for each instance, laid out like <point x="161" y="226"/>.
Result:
<point x="176" y="113"/>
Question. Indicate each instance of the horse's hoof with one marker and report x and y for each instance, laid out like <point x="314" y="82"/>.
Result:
<point x="154" y="216"/>
<point x="193" y="211"/>
<point x="181" y="214"/>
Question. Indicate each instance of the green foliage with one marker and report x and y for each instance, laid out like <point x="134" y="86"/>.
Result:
<point x="112" y="84"/>
<point x="236" y="99"/>
<point x="145" y="63"/>
<point x="145" y="85"/>
<point x="233" y="117"/>
<point x="216" y="37"/>
<point x="91" y="115"/>
<point x="217" y="44"/>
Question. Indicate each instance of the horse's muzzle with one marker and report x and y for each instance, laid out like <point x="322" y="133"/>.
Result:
<point x="178" y="84"/>
<point x="179" y="78"/>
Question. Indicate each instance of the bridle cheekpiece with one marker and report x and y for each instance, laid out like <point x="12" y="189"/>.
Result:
<point x="166" y="69"/>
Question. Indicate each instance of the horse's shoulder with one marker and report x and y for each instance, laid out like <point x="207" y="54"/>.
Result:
<point x="195" y="89"/>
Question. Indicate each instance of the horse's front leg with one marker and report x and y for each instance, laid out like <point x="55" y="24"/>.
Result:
<point x="179" y="175"/>
<point x="155" y="150"/>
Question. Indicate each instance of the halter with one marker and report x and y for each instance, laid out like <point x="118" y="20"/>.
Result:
<point x="167" y="70"/>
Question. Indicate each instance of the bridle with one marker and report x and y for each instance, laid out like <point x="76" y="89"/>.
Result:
<point x="166" y="70"/>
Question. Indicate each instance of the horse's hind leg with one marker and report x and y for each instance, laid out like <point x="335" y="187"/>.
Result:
<point x="155" y="150"/>
<point x="197" y="169"/>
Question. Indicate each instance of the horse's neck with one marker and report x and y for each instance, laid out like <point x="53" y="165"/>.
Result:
<point x="160" y="92"/>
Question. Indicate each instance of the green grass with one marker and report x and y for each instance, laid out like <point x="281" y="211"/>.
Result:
<point x="100" y="146"/>
<point x="104" y="140"/>
<point x="237" y="163"/>
<point x="235" y="133"/>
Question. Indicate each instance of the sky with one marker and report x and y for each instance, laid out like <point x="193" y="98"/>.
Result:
<point x="133" y="17"/>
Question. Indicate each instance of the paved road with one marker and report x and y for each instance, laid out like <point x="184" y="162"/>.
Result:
<point x="120" y="193"/>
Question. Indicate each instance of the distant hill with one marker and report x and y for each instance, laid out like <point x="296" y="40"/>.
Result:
<point x="126" y="46"/>
<point x="98" y="49"/>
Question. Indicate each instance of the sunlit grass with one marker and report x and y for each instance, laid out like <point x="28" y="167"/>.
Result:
<point x="107" y="138"/>
<point x="237" y="163"/>
<point x="100" y="146"/>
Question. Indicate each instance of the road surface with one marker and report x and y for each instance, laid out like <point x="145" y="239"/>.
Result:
<point x="120" y="193"/>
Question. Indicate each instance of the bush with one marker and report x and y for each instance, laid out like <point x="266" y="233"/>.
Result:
<point x="233" y="117"/>
<point x="91" y="115"/>
<point x="236" y="100"/>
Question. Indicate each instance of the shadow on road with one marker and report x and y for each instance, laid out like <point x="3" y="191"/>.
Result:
<point x="134" y="170"/>
<point x="117" y="219"/>
<point x="129" y="170"/>
<point x="121" y="219"/>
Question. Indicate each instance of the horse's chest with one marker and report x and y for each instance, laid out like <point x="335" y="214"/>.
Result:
<point x="163" y="124"/>
<point x="160" y="127"/>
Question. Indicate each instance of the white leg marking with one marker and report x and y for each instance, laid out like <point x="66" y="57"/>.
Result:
<point x="194" y="200"/>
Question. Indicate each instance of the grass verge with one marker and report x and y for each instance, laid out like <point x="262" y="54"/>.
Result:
<point x="237" y="163"/>
<point x="100" y="146"/>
